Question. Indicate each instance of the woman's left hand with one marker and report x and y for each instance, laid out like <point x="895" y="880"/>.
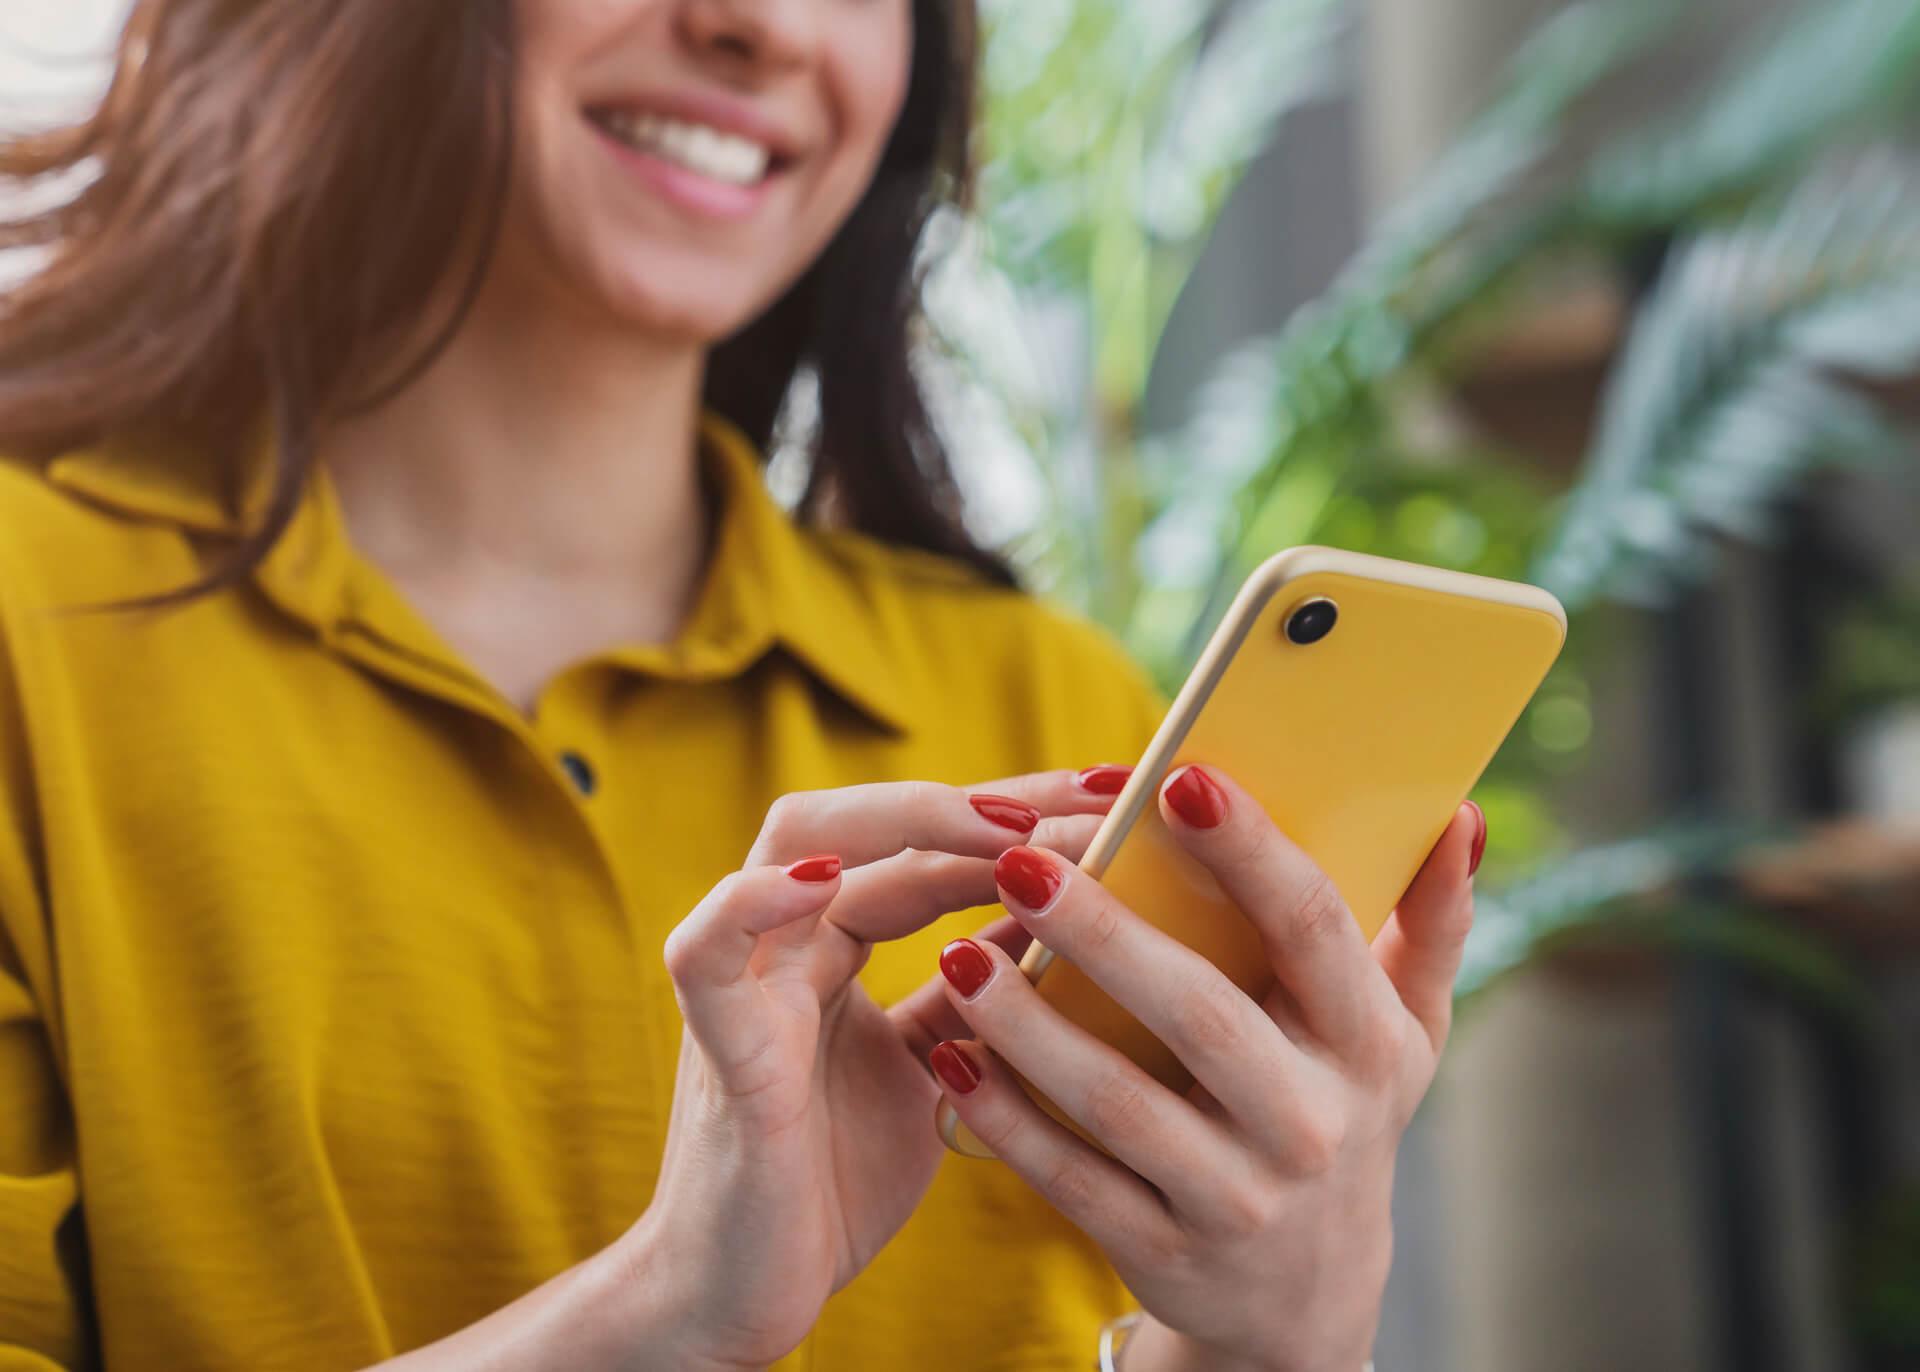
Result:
<point x="1250" y="1217"/>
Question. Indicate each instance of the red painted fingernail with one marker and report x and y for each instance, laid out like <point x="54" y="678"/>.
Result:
<point x="1479" y="838"/>
<point x="954" y="1068"/>
<point x="967" y="966"/>
<point x="820" y="867"/>
<point x="1197" y="798"/>
<point x="1029" y="876"/>
<point x="1007" y="812"/>
<point x="1105" y="780"/>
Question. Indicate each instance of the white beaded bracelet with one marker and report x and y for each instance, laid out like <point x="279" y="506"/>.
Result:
<point x="1115" y="1333"/>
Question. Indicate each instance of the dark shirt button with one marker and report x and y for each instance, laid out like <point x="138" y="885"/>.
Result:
<point x="578" y="772"/>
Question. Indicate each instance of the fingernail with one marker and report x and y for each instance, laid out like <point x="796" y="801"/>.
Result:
<point x="1030" y="877"/>
<point x="1007" y="812"/>
<point x="1105" y="780"/>
<point x="954" y="1068"/>
<point x="1197" y="798"/>
<point x="1479" y="838"/>
<point x="820" y="867"/>
<point x="967" y="966"/>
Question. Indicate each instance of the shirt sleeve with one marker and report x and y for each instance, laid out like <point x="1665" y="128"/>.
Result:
<point x="42" y="1254"/>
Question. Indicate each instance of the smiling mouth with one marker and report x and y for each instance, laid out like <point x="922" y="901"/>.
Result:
<point x="700" y="148"/>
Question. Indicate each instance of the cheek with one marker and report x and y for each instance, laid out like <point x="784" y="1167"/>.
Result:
<point x="871" y="74"/>
<point x="867" y="79"/>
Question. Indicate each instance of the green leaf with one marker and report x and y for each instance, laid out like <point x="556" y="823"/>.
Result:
<point x="1321" y="387"/>
<point x="1835" y="65"/>
<point x="1727" y="392"/>
<point x="1580" y="890"/>
<point x="1265" y="58"/>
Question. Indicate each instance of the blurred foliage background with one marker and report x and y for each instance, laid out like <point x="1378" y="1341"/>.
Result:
<point x="1756" y="245"/>
<point x="1768" y="235"/>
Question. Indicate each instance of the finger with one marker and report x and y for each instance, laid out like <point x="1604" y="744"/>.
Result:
<point x="1114" y="1207"/>
<point x="1229" y="1043"/>
<point x="866" y="823"/>
<point x="1091" y="790"/>
<point x="899" y="895"/>
<point x="1156" y="1133"/>
<point x="896" y="896"/>
<point x="1068" y="835"/>
<point x="1318" y="952"/>
<point x="1420" y="946"/>
<point x="924" y="1015"/>
<point x="709" y="954"/>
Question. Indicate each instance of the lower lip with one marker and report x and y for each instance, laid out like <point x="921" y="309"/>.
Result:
<point x="691" y="191"/>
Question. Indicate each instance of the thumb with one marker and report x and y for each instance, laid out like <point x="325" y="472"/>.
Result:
<point x="710" y="954"/>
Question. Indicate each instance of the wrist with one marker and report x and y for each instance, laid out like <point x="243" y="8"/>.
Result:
<point x="655" y="1319"/>
<point x="1158" y="1347"/>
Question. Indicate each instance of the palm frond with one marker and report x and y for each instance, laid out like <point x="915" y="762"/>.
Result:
<point x="1732" y="383"/>
<point x="1569" y="893"/>
<point x="1835" y="66"/>
<point x="1316" y="385"/>
<point x="1265" y="57"/>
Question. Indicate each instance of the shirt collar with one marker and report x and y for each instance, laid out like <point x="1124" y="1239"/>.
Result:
<point x="770" y="583"/>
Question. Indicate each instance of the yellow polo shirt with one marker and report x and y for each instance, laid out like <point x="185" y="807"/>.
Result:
<point x="332" y="1013"/>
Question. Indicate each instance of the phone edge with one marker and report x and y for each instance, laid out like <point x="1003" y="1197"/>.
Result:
<point x="1262" y="584"/>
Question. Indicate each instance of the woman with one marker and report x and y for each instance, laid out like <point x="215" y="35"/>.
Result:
<point x="400" y="655"/>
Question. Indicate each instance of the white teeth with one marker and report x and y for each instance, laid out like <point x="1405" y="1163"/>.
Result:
<point x="697" y="147"/>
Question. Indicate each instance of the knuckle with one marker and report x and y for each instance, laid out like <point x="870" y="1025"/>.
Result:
<point x="1315" y="1144"/>
<point x="1461" y="923"/>
<point x="923" y="796"/>
<point x="688" y="941"/>
<point x="1166" y="1248"/>
<point x="1383" y="1043"/>
<point x="1249" y="1208"/>
<point x="1319" y="908"/>
<point x="681" y="952"/>
<point x="1100" y="926"/>
<point x="1241" y="842"/>
<point x="785" y="812"/>
<point x="1118" y="1106"/>
<point x="1069" y="1184"/>
<point x="1000" y="1130"/>
<point x="1210" y="1016"/>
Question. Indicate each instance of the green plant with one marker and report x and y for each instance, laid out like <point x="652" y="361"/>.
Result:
<point x="1789" y="243"/>
<point x="1116" y="137"/>
<point x="1735" y="381"/>
<point x="1872" y="656"/>
<point x="1887" y="1264"/>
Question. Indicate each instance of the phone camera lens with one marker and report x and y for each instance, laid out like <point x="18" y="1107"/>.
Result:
<point x="1311" y="622"/>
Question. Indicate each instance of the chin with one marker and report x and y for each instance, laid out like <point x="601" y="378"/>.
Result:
<point x="693" y="302"/>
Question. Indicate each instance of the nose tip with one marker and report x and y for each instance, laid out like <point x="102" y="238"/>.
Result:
<point x="766" y="32"/>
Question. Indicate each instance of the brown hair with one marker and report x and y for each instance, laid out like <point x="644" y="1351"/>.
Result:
<point x="272" y="195"/>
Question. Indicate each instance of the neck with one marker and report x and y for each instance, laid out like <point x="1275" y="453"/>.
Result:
<point x="537" y="446"/>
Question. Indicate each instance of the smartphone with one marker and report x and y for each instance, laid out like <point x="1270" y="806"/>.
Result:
<point x="1358" y="699"/>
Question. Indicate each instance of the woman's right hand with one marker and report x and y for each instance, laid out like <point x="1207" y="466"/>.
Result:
<point x="801" y="1137"/>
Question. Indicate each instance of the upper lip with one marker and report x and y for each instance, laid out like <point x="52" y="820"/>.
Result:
<point x="713" y="109"/>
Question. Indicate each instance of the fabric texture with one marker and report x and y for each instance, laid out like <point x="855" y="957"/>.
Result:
<point x="332" y="1012"/>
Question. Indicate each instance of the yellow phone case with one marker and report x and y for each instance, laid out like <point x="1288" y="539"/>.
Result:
<point x="1360" y="746"/>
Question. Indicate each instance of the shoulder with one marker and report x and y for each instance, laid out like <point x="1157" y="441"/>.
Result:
<point x="967" y="648"/>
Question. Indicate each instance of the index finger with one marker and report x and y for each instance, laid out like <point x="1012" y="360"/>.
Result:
<point x="873" y="821"/>
<point x="869" y="822"/>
